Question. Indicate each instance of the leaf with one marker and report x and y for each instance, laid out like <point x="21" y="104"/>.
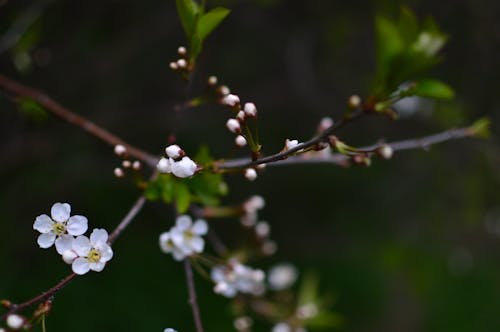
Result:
<point x="431" y="88"/>
<point x="32" y="109"/>
<point x="389" y="43"/>
<point x="195" y="46"/>
<point x="325" y="321"/>
<point x="209" y="21"/>
<point x="407" y="25"/>
<point x="182" y="197"/>
<point x="188" y="11"/>
<point x="167" y="191"/>
<point x="481" y="128"/>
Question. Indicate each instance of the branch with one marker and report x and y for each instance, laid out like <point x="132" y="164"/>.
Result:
<point x="73" y="118"/>
<point x="134" y="210"/>
<point x="192" y="296"/>
<point x="343" y="160"/>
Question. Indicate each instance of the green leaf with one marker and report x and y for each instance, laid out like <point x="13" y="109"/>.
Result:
<point x="431" y="88"/>
<point x="407" y="25"/>
<point x="389" y="43"/>
<point x="195" y="46"/>
<point x="325" y="321"/>
<point x="481" y="128"/>
<point x="188" y="11"/>
<point x="182" y="197"/>
<point x="210" y="20"/>
<point x="32" y="109"/>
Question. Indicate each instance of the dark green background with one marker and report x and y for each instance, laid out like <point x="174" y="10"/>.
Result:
<point x="402" y="245"/>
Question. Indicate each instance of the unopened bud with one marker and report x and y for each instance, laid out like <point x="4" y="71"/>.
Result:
<point x="212" y="80"/>
<point x="290" y="144"/>
<point x="182" y="50"/>
<point x="231" y="100"/>
<point x="120" y="150"/>
<point x="241" y="116"/>
<point x="250" y="109"/>
<point x="174" y="151"/>
<point x="6" y="303"/>
<point x="385" y="151"/>
<point x="224" y="90"/>
<point x="173" y="65"/>
<point x="233" y="125"/>
<point x="250" y="174"/>
<point x="325" y="123"/>
<point x="262" y="229"/>
<point x="269" y="248"/>
<point x="181" y="63"/>
<point x="15" y="322"/>
<point x="261" y="166"/>
<point x="353" y="102"/>
<point x="361" y="159"/>
<point x="118" y="172"/>
<point x="137" y="165"/>
<point x="126" y="163"/>
<point x="240" y="141"/>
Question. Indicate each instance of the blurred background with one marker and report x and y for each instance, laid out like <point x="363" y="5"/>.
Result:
<point x="407" y="245"/>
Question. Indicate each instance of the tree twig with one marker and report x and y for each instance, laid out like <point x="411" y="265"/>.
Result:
<point x="192" y="296"/>
<point x="73" y="118"/>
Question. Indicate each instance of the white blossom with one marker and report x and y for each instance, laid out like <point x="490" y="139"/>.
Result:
<point x="240" y="141"/>
<point x="291" y="143"/>
<point x="185" y="238"/>
<point x="173" y="151"/>
<point x="120" y="150"/>
<point x="235" y="277"/>
<point x="59" y="228"/>
<point x="15" y="322"/>
<point x="233" y="125"/>
<point x="354" y="101"/>
<point x="251" y="174"/>
<point x="184" y="168"/>
<point x="282" y="276"/>
<point x="165" y="165"/>
<point x="250" y="109"/>
<point x="168" y="246"/>
<point x="231" y="100"/>
<point x="126" y="164"/>
<point x="93" y="253"/>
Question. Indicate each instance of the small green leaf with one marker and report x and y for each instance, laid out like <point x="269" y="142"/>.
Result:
<point x="195" y="46"/>
<point x="431" y="88"/>
<point x="407" y="25"/>
<point x="167" y="192"/>
<point x="32" y="109"/>
<point x="389" y="43"/>
<point x="481" y="128"/>
<point x="182" y="197"/>
<point x="210" y="20"/>
<point x="188" y="11"/>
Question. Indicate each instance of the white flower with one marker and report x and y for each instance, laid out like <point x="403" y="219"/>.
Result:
<point x="233" y="125"/>
<point x="92" y="254"/>
<point x="240" y="141"/>
<point x="136" y="165"/>
<point x="165" y="165"/>
<point x="59" y="228"/>
<point x="291" y="143"/>
<point x="187" y="236"/>
<point x="250" y="109"/>
<point x="231" y="100"/>
<point x="168" y="246"/>
<point x="120" y="150"/>
<point x="173" y="151"/>
<point x="282" y="276"/>
<point x="184" y="168"/>
<point x="235" y="277"/>
<point x="15" y="322"/>
<point x="250" y="174"/>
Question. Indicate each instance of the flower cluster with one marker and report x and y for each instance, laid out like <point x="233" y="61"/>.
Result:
<point x="121" y="151"/>
<point x="182" y="64"/>
<point x="185" y="238"/>
<point x="177" y="163"/>
<point x="66" y="232"/>
<point x="235" y="277"/>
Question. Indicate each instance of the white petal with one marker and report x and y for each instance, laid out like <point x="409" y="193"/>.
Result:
<point x="77" y="225"/>
<point x="63" y="243"/>
<point x="46" y="240"/>
<point x="80" y="266"/>
<point x="82" y="246"/>
<point x="197" y="244"/>
<point x="178" y="255"/>
<point x="177" y="236"/>
<point x="43" y="223"/>
<point x="106" y="252"/>
<point x="164" y="241"/>
<point x="164" y="165"/>
<point x="184" y="168"/>
<point x="99" y="235"/>
<point x="200" y="227"/>
<point x="183" y="222"/>
<point x="60" y="212"/>
<point x="97" y="266"/>
<point x="69" y="256"/>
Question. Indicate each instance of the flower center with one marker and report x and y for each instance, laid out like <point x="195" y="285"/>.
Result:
<point x="189" y="235"/>
<point x="59" y="228"/>
<point x="94" y="255"/>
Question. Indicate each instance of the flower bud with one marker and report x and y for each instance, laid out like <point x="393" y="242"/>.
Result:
<point x="120" y="150"/>
<point x="262" y="229"/>
<point x="241" y="116"/>
<point x="181" y="63"/>
<point x="182" y="50"/>
<point x="212" y="80"/>
<point x="240" y="141"/>
<point x="353" y="102"/>
<point x="15" y="322"/>
<point x="184" y="168"/>
<point x="233" y="125"/>
<point x="118" y="172"/>
<point x="325" y="123"/>
<point x="164" y="165"/>
<point x="231" y="100"/>
<point x="174" y="151"/>
<point x="385" y="151"/>
<point x="137" y="165"/>
<point x="173" y="65"/>
<point x="250" y="109"/>
<point x="224" y="90"/>
<point x="126" y="163"/>
<point x="289" y="144"/>
<point x="250" y="174"/>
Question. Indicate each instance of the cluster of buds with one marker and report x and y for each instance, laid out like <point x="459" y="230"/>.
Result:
<point x="235" y="124"/>
<point x="234" y="278"/>
<point x="66" y="232"/>
<point x="176" y="163"/>
<point x="185" y="238"/>
<point x="182" y="65"/>
<point x="127" y="164"/>
<point x="262" y="229"/>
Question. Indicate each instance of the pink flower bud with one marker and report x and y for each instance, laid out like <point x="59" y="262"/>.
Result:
<point x="233" y="125"/>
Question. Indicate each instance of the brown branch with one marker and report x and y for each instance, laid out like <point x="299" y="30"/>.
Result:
<point x="77" y="120"/>
<point x="134" y="210"/>
<point x="192" y="296"/>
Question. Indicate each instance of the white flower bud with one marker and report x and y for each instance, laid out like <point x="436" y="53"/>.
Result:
<point x="241" y="116"/>
<point x="233" y="125"/>
<point x="250" y="174"/>
<point x="240" y="141"/>
<point x="289" y="144"/>
<point x="385" y="151"/>
<point x="243" y="323"/>
<point x="182" y="50"/>
<point x="250" y="109"/>
<point x="212" y="80"/>
<point x="173" y="65"/>
<point x="224" y="90"/>
<point x="262" y="229"/>
<point x="282" y="276"/>
<point x="137" y="165"/>
<point x="281" y="327"/>
<point x="118" y="172"/>
<point x="184" y="168"/>
<point x="120" y="150"/>
<point x="181" y="63"/>
<point x="15" y="322"/>
<point x="69" y="256"/>
<point x="164" y="165"/>
<point x="126" y="163"/>
<point x="173" y="151"/>
<point x="325" y="123"/>
<point x="254" y="203"/>
<point x="354" y="101"/>
<point x="231" y="100"/>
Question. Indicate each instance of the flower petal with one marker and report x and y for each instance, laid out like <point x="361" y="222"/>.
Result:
<point x="82" y="246"/>
<point x="99" y="235"/>
<point x="97" y="266"/>
<point x="200" y="227"/>
<point x="183" y="222"/>
<point x="80" y="266"/>
<point x="106" y="252"/>
<point x="63" y="243"/>
<point x="60" y="212"/>
<point x="46" y="240"/>
<point x="77" y="225"/>
<point x="178" y="255"/>
<point x="43" y="223"/>
<point x="165" y="242"/>
<point x="69" y="256"/>
<point x="197" y="244"/>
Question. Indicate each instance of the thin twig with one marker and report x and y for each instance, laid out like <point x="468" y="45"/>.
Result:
<point x="134" y="210"/>
<point x="192" y="296"/>
<point x="73" y="118"/>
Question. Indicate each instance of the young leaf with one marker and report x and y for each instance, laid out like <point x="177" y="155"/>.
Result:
<point x="182" y="197"/>
<point x="188" y="11"/>
<point x="432" y="89"/>
<point x="481" y="128"/>
<point x="389" y="43"/>
<point x="209" y="21"/>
